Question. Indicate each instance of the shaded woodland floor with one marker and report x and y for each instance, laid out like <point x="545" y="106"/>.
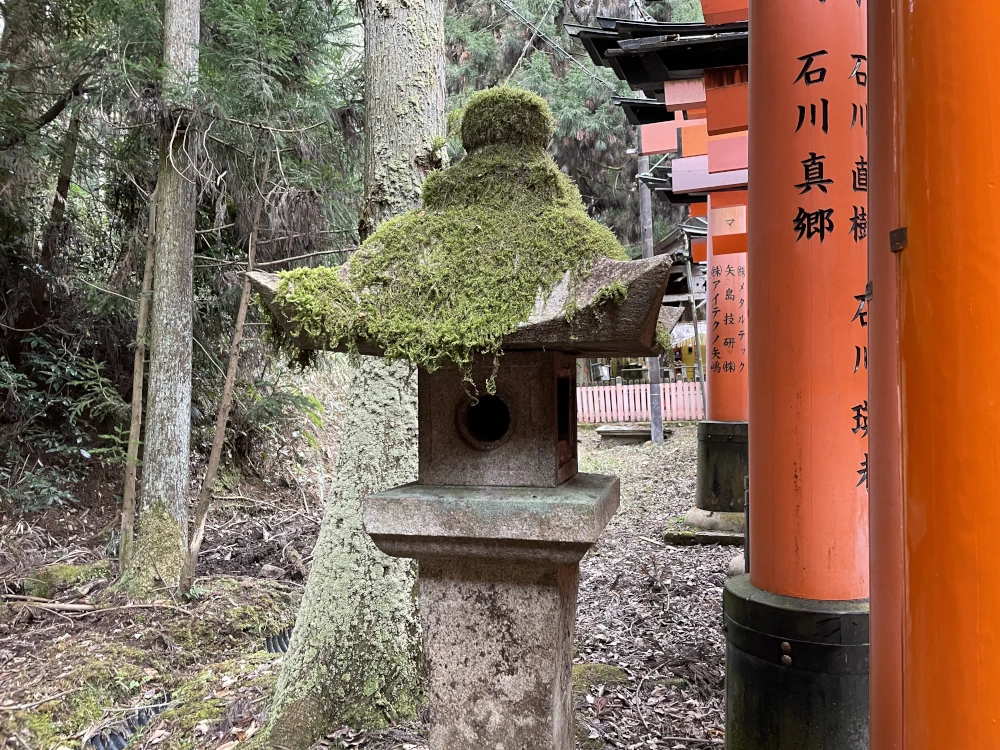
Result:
<point x="649" y="648"/>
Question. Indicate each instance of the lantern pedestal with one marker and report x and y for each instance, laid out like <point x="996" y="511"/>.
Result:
<point x="723" y="464"/>
<point x="499" y="570"/>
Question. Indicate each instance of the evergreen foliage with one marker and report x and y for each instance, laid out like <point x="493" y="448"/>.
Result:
<point x="488" y="45"/>
<point x="278" y="77"/>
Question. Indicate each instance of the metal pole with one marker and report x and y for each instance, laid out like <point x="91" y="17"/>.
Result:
<point x="652" y="363"/>
<point x="697" y="337"/>
<point x="646" y="229"/>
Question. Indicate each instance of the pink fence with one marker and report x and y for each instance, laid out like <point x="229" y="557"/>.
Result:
<point x="630" y="403"/>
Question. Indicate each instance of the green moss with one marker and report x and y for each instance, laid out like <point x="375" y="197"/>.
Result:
<point x="325" y="307"/>
<point x="265" y="608"/>
<point x="586" y="676"/>
<point x="441" y="284"/>
<point x="570" y="310"/>
<point x="503" y="178"/>
<point x="97" y="676"/>
<point x="583" y="738"/>
<point x="214" y="651"/>
<point x="41" y="729"/>
<point x="52" y="579"/>
<point x="159" y="554"/>
<point x="611" y="294"/>
<point x="204" y="697"/>
<point x="506" y="115"/>
<point x="663" y="340"/>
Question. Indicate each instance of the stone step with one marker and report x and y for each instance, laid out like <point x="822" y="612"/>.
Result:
<point x="690" y="537"/>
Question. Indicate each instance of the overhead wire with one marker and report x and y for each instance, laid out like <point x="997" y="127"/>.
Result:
<point x="511" y="10"/>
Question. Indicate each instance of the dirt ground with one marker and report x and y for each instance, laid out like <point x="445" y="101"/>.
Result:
<point x="649" y="646"/>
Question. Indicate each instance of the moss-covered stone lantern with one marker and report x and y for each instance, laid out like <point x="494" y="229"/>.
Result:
<point x="492" y="289"/>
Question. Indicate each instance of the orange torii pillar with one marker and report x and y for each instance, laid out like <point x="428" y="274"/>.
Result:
<point x="722" y="436"/>
<point x="935" y="457"/>
<point x="884" y="452"/>
<point x="797" y="625"/>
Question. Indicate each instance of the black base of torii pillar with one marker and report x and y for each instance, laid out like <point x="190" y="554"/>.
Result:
<point x="723" y="464"/>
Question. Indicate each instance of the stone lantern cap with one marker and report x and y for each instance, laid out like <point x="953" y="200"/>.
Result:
<point x="500" y="257"/>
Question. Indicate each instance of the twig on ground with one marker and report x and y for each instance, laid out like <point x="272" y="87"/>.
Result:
<point x="26" y="706"/>
<point x="183" y="611"/>
<point x="57" y="607"/>
<point x="651" y="541"/>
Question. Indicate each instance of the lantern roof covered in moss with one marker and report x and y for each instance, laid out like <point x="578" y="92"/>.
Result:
<point x="501" y="256"/>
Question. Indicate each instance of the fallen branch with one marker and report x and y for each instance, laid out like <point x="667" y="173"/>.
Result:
<point x="183" y="611"/>
<point x="26" y="706"/>
<point x="708" y="740"/>
<point x="59" y="607"/>
<point x="90" y="609"/>
<point x="651" y="541"/>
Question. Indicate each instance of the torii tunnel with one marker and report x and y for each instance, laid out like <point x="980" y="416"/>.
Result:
<point x="870" y="615"/>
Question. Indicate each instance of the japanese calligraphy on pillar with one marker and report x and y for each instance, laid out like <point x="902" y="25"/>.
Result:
<point x="831" y="194"/>
<point x="727" y="315"/>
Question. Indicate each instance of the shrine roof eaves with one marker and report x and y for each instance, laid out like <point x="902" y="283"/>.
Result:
<point x="643" y="111"/>
<point x="646" y="54"/>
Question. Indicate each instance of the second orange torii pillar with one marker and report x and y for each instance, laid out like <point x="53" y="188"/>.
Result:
<point x="797" y="625"/>
<point x="722" y="435"/>
<point x="935" y="388"/>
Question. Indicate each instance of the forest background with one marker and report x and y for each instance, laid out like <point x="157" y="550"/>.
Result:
<point x="281" y="84"/>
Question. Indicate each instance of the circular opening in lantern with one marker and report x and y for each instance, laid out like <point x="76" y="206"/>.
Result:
<point x="488" y="420"/>
<point x="485" y="424"/>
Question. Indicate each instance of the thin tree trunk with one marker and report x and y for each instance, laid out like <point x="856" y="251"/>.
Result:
<point x="56" y="231"/>
<point x="355" y="653"/>
<point x="161" y="536"/>
<point x="225" y="404"/>
<point x="138" y="378"/>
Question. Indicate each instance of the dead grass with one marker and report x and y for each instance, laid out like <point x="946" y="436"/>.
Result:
<point x="649" y="616"/>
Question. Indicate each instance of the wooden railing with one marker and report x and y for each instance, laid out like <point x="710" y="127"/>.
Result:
<point x="601" y="404"/>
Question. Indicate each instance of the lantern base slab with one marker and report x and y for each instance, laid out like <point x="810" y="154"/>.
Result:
<point x="612" y="435"/>
<point x="723" y="464"/>
<point x="712" y="520"/>
<point x="498" y="580"/>
<point x="796" y="671"/>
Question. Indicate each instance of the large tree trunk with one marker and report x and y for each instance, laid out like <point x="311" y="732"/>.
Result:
<point x="161" y="538"/>
<point x="354" y="656"/>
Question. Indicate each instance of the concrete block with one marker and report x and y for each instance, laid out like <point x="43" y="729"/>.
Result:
<point x="557" y="525"/>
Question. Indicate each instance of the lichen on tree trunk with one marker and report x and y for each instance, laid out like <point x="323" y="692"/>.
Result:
<point x="353" y="657"/>
<point x="161" y="538"/>
<point x="355" y="652"/>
